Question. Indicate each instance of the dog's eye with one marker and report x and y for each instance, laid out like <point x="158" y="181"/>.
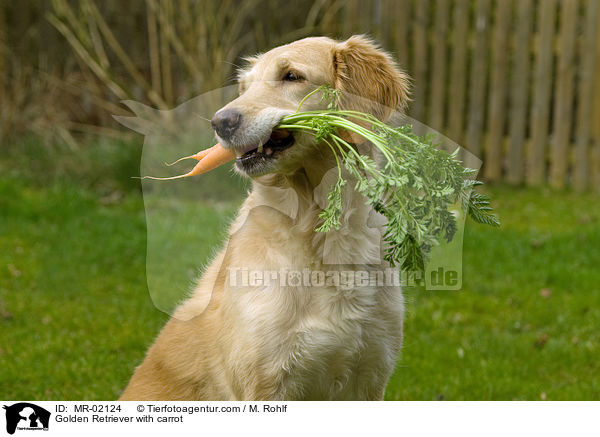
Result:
<point x="290" y="76"/>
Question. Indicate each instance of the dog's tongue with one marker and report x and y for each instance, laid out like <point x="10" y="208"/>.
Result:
<point x="276" y="135"/>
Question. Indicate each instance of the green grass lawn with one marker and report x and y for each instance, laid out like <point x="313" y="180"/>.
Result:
<point x="76" y="317"/>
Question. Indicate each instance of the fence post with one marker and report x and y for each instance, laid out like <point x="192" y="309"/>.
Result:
<point x="519" y="93"/>
<point x="420" y="60"/>
<point x="563" y="102"/>
<point x="498" y="90"/>
<point x="438" y="77"/>
<point x="458" y="71"/>
<point x="596" y="117"/>
<point x="478" y="78"/>
<point x="583" y="166"/>
<point x="536" y="158"/>
<point x="400" y="14"/>
<point x="3" y="44"/>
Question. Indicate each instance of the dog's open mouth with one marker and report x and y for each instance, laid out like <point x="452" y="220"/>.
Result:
<point x="280" y="140"/>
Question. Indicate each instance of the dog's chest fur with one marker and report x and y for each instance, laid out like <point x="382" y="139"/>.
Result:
<point x="303" y="341"/>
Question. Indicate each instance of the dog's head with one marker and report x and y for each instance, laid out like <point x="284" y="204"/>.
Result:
<point x="274" y="83"/>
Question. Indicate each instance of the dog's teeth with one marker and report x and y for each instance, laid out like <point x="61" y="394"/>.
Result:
<point x="260" y="149"/>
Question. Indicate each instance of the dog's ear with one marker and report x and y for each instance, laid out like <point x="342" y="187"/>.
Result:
<point x="369" y="79"/>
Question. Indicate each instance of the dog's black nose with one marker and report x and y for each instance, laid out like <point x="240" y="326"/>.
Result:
<point x="225" y="122"/>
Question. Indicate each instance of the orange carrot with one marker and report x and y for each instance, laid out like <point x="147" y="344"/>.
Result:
<point x="197" y="156"/>
<point x="208" y="160"/>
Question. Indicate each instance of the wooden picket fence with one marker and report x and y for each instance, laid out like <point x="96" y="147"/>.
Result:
<point x="516" y="82"/>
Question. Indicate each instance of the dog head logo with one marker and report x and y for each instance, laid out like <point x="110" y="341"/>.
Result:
<point x="174" y="210"/>
<point x="26" y="416"/>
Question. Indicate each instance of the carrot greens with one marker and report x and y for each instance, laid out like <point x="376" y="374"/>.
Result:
<point x="414" y="184"/>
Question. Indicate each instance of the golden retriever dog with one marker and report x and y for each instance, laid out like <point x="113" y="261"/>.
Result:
<point x="284" y="341"/>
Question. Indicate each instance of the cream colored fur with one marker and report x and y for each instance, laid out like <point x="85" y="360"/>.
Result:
<point x="288" y="342"/>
